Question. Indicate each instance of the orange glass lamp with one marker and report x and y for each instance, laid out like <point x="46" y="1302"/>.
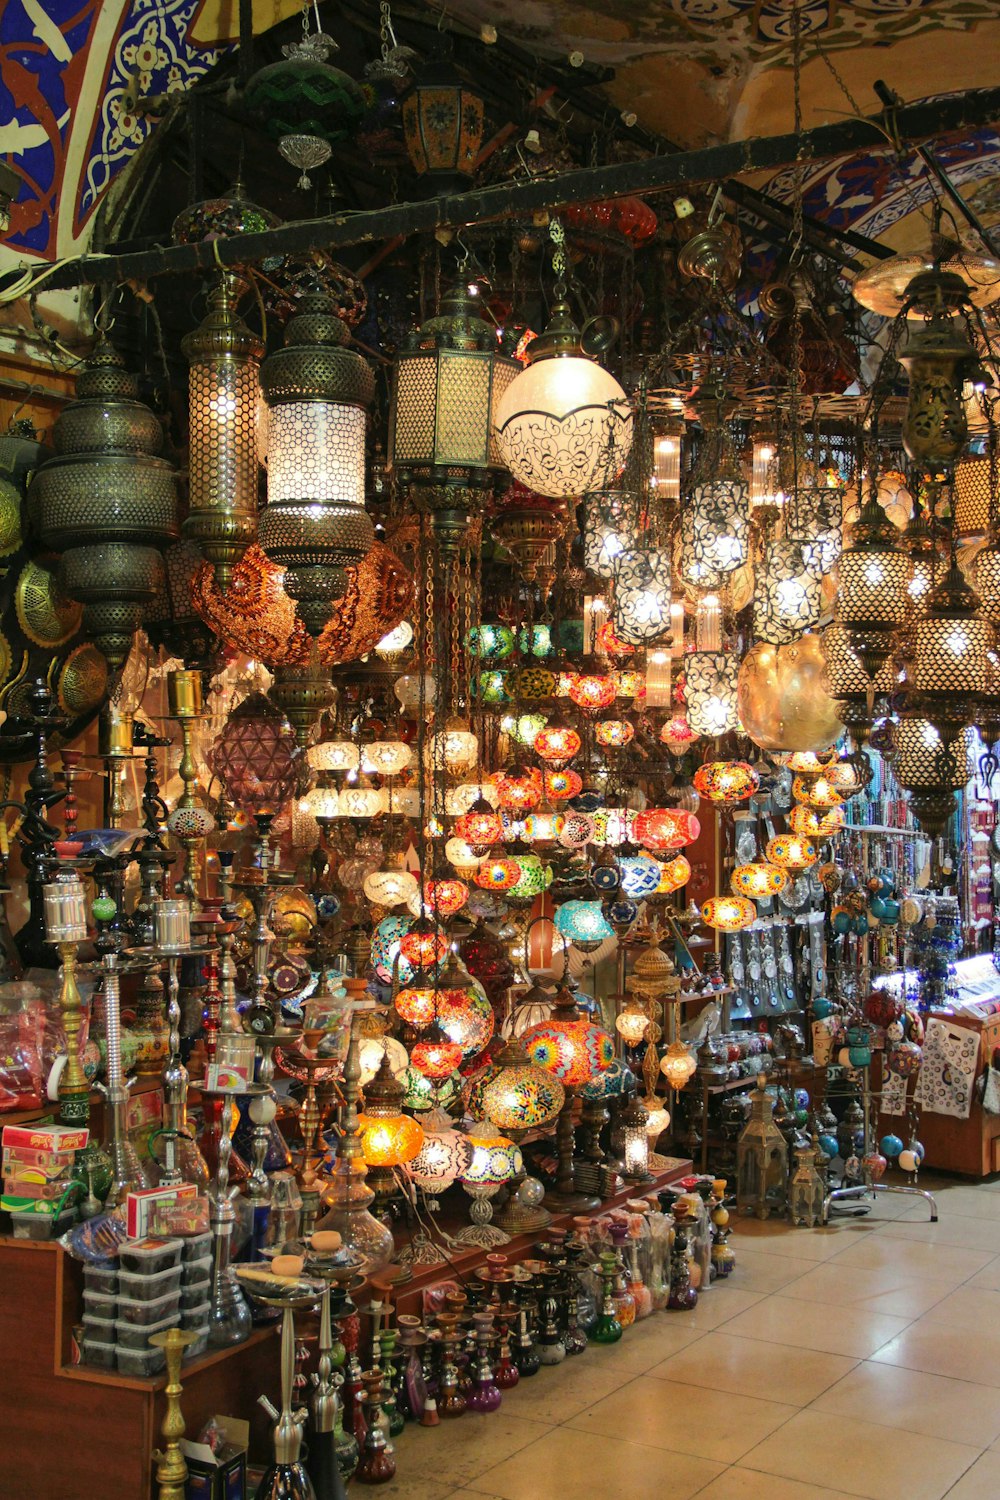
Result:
<point x="445" y="897"/>
<point x="809" y="762"/>
<point x="389" y="1139"/>
<point x="726" y="781"/>
<point x="614" y="734"/>
<point x="423" y="947"/>
<point x="544" y="826"/>
<point x="416" y="1006"/>
<point x="520" y="1095"/>
<point x="816" y="825"/>
<point x="557" y="744"/>
<point x="480" y="827"/>
<point x="728" y="913"/>
<point x="593" y="691"/>
<point x="498" y="874"/>
<point x="519" y="789"/>
<point x="560" y="785"/>
<point x="677" y="734"/>
<point x="664" y="828"/>
<point x="675" y="873"/>
<point x="758" y="880"/>
<point x="436" y="1058"/>
<point x="792" y="851"/>
<point x="816" y="791"/>
<point x="463" y="1011"/>
<point x="574" y="1051"/>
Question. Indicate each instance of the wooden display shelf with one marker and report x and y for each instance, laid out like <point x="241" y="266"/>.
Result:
<point x="77" y="1433"/>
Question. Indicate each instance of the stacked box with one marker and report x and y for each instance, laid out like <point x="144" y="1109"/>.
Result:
<point x="149" y="1298"/>
<point x="38" y="1169"/>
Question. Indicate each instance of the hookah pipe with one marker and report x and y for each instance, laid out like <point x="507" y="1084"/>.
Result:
<point x="127" y="1172"/>
<point x="323" y="1464"/>
<point x="37" y="835"/>
<point x="287" y="1478"/>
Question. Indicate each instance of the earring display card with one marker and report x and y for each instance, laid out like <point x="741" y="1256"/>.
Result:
<point x="948" y="1070"/>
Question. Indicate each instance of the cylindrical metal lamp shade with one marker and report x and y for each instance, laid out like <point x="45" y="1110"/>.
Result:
<point x="788" y="597"/>
<point x="445" y="406"/>
<point x="65" y="911"/>
<point x="223" y="409"/>
<point x="642" y="597"/>
<point x="316" y="451"/>
<point x="925" y="761"/>
<point x="711" y="692"/>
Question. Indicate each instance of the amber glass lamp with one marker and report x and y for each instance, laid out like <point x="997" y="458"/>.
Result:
<point x="792" y="851"/>
<point x="758" y="880"/>
<point x="728" y="913"/>
<point x="726" y="781"/>
<point x="388" y="1137"/>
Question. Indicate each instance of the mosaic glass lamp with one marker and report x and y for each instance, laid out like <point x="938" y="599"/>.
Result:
<point x="728" y="913"/>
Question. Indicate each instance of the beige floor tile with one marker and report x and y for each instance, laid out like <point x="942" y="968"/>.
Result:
<point x="685" y="1418"/>
<point x="765" y="1273"/>
<point x="722" y="1362"/>
<point x="555" y="1395"/>
<point x="960" y="1353"/>
<point x="457" y="1451"/>
<point x="409" y="1485"/>
<point x="862" y="1459"/>
<point x="746" y="1484"/>
<point x="642" y="1346"/>
<point x="951" y="1229"/>
<point x="567" y="1462"/>
<point x="967" y="1307"/>
<point x="719" y="1304"/>
<point x="965" y="1199"/>
<point x="814" y="1325"/>
<point x="989" y="1276"/>
<point x="980" y="1482"/>
<point x="881" y="1291"/>
<point x="916" y="1402"/>
<point x="914" y="1259"/>
<point x="776" y="1237"/>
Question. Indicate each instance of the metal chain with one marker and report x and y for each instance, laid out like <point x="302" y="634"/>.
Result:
<point x="557" y="235"/>
<point x="385" y="31"/>
<point x="798" y="193"/>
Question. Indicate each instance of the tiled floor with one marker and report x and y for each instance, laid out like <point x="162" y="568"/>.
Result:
<point x="859" y="1360"/>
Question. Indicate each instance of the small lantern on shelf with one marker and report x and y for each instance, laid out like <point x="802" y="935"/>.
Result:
<point x="762" y="1158"/>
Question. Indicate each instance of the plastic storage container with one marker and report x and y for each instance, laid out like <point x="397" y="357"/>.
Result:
<point x="197" y="1272"/>
<point x="99" y="1304"/>
<point x="196" y="1317"/>
<point x="97" y="1352"/>
<point x="139" y="1361"/>
<point x="139" y="1314"/>
<point x="197" y="1246"/>
<point x="198" y="1347"/>
<point x="149" y="1256"/>
<point x="136" y="1336"/>
<point x="147" y="1288"/>
<point x="102" y="1279"/>
<point x="102" y="1329"/>
<point x="194" y="1296"/>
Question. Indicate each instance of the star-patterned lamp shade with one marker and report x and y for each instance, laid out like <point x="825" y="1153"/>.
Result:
<point x="816" y="825"/>
<point x="557" y="744"/>
<point x="436" y="1059"/>
<point x="561" y="786"/>
<point x="572" y="1051"/>
<point x="444" y="1156"/>
<point x="389" y="887"/>
<point x="792" y="851"/>
<point x="583" y="924"/>
<point x="416" y="1006"/>
<point x="519" y="789"/>
<point x="614" y="734"/>
<point x="495" y="1159"/>
<point x="664" y="828"/>
<point x="726" y="781"/>
<point x="520" y="1095"/>
<point x="758" y="880"/>
<point x="710" y="692"/>
<point x="497" y="874"/>
<point x="728" y="913"/>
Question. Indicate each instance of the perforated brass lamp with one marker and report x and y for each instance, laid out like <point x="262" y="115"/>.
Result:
<point x="318" y="393"/>
<point x="223" y="391"/>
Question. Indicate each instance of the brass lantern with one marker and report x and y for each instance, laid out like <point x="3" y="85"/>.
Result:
<point x="318" y="393"/>
<point x="223" y="391"/>
<point x="874" y="572"/>
<point x="450" y="376"/>
<point x="761" y="1158"/>
<point x="937" y="352"/>
<point x="931" y="767"/>
<point x="107" y="503"/>
<point x="950" y="667"/>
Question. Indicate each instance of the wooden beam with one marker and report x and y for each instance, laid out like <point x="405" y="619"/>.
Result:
<point x="912" y="123"/>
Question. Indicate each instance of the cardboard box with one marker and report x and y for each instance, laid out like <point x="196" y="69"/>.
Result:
<point x="49" y="1164"/>
<point x="138" y="1205"/>
<point x="221" y="1476"/>
<point x="45" y="1137"/>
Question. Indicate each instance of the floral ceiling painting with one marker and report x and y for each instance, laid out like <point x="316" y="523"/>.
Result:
<point x="68" y="72"/>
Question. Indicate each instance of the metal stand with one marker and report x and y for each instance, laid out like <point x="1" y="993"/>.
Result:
<point x="862" y="1189"/>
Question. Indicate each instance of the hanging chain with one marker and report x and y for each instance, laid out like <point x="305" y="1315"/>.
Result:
<point x="557" y="235"/>
<point x="798" y="193"/>
<point x="387" y="36"/>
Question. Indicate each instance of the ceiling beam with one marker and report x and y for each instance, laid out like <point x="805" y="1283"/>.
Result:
<point x="911" y="124"/>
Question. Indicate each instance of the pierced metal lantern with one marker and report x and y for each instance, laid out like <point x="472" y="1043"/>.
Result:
<point x="806" y="1189"/>
<point x="223" y="399"/>
<point x="762" y="1158"/>
<point x="931" y="767"/>
<point x="255" y="756"/>
<point x="937" y="352"/>
<point x="107" y="503"/>
<point x="952" y="643"/>
<point x="986" y="575"/>
<point x="318" y="393"/>
<point x="450" y="376"/>
<point x="788" y="598"/>
<point x="715" y="531"/>
<point x="872" y="600"/>
<point x="612" y="520"/>
<point x="642" y="596"/>
<point x="710" y="690"/>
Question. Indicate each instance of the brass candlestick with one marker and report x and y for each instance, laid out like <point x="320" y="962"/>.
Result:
<point x="189" y="822"/>
<point x="171" y="1469"/>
